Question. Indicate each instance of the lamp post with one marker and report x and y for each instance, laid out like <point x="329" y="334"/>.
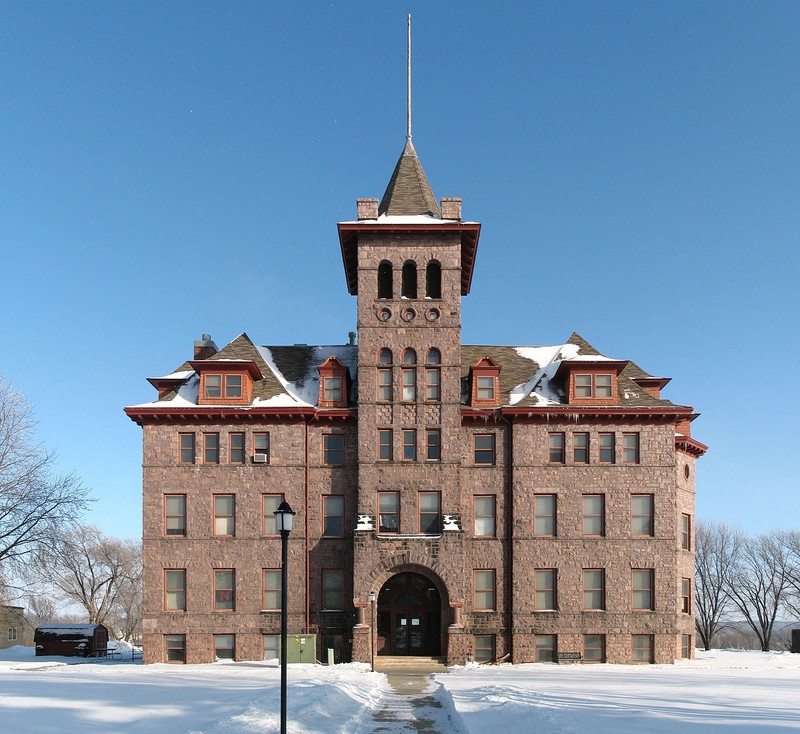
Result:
<point x="372" y="631"/>
<point x="284" y="515"/>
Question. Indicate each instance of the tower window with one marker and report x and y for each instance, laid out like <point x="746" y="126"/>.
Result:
<point x="385" y="279"/>
<point x="385" y="356"/>
<point x="409" y="279"/>
<point x="433" y="280"/>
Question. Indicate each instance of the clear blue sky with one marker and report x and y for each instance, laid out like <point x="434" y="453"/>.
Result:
<point x="169" y="169"/>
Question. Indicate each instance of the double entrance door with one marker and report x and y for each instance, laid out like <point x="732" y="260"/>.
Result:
<point x="409" y="616"/>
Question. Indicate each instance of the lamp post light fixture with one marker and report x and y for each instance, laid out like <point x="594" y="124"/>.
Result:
<point x="284" y="515"/>
<point x="372" y="631"/>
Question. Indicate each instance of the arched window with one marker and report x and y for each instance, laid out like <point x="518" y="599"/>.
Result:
<point x="409" y="357"/>
<point x="434" y="356"/>
<point x="385" y="279"/>
<point x="385" y="356"/>
<point x="409" y="279"/>
<point x="433" y="280"/>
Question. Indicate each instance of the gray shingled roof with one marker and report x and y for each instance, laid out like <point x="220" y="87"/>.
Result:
<point x="408" y="191"/>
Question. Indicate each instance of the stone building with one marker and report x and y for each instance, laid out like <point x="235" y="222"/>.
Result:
<point x="12" y="622"/>
<point x="525" y="503"/>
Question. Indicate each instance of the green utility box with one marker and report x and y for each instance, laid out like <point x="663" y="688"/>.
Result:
<point x="301" y="648"/>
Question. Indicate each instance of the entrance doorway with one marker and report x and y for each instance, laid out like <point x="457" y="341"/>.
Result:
<point x="409" y="616"/>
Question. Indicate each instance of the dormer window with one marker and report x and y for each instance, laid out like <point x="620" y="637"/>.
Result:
<point x="332" y="384"/>
<point x="591" y="382"/>
<point x="593" y="386"/>
<point x="226" y="382"/>
<point x="485" y="383"/>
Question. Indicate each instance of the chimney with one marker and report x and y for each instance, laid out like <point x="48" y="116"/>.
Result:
<point x="205" y="347"/>
<point x="367" y="208"/>
<point x="451" y="208"/>
<point x="351" y="335"/>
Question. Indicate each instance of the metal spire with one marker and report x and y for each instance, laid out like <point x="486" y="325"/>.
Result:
<point x="408" y="129"/>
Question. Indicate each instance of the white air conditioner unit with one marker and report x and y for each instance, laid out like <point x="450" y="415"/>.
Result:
<point x="259" y="458"/>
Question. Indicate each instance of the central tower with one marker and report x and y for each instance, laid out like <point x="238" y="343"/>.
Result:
<point x="409" y="260"/>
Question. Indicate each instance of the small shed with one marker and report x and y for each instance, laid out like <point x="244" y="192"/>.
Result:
<point x="72" y="640"/>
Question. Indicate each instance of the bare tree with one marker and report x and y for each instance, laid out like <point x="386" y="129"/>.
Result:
<point x="126" y="614"/>
<point x="791" y="541"/>
<point x="758" y="583"/>
<point x="716" y="547"/>
<point x="34" y="502"/>
<point x="90" y="569"/>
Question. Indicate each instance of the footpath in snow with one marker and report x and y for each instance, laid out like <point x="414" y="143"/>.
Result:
<point x="743" y="692"/>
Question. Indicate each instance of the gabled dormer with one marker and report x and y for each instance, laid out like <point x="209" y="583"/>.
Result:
<point x="226" y="382"/>
<point x="484" y="378"/>
<point x="333" y="384"/>
<point x="590" y="381"/>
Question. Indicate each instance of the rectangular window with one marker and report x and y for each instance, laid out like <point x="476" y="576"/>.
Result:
<point x="546" y="648"/>
<point x="556" y="441"/>
<point x="333" y="516"/>
<point x="642" y="515"/>
<point x="12" y="634"/>
<point x="261" y="447"/>
<point x="486" y="388"/>
<point x="544" y="592"/>
<point x="643" y="589"/>
<point x="606" y="448"/>
<point x="583" y="386"/>
<point x="544" y="515"/>
<point x="174" y="514"/>
<point x="186" y="443"/>
<point x="593" y="386"/>
<point x="484" y="516"/>
<point x="333" y="589"/>
<point x="269" y="523"/>
<point x="385" y="444"/>
<point x="594" y="589"/>
<point x="175" y="648"/>
<point x="211" y="448"/>
<point x="686" y="646"/>
<point x="593" y="514"/>
<point x="270" y="589"/>
<point x="409" y="384"/>
<point x="642" y="648"/>
<point x="484" y="590"/>
<point x="233" y="386"/>
<point x="484" y="648"/>
<point x="175" y="590"/>
<point x="332" y="387"/>
<point x="224" y="514"/>
<point x="236" y="450"/>
<point x="686" y="596"/>
<point x="409" y="445"/>
<point x="224" y="589"/>
<point x="580" y="448"/>
<point x="594" y="648"/>
<point x="433" y="444"/>
<point x="225" y="647"/>
<point x="484" y="448"/>
<point x="432" y="384"/>
<point x="388" y="512"/>
<point x="385" y="385"/>
<point x="686" y="532"/>
<point x="333" y="449"/>
<point x="630" y="448"/>
<point x="430" y="512"/>
<point x="213" y="385"/>
<point x="602" y="386"/>
<point x="272" y="647"/>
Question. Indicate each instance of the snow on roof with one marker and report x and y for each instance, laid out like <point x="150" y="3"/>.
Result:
<point x="305" y="391"/>
<point x="179" y="375"/>
<point x="394" y="219"/>
<point x="69" y="629"/>
<point x="539" y="386"/>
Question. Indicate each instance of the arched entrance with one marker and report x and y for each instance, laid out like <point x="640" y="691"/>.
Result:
<point x="409" y="616"/>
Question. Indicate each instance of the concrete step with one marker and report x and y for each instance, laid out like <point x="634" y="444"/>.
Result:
<point x="408" y="663"/>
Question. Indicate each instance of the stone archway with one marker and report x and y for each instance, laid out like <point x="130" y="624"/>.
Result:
<point x="409" y="616"/>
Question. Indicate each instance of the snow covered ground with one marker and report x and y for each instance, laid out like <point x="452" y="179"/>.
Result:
<point x="745" y="692"/>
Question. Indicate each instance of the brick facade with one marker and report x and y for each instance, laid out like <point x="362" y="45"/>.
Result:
<point x="448" y="580"/>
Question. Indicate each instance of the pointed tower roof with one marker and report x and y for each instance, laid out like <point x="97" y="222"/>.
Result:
<point x="408" y="191"/>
